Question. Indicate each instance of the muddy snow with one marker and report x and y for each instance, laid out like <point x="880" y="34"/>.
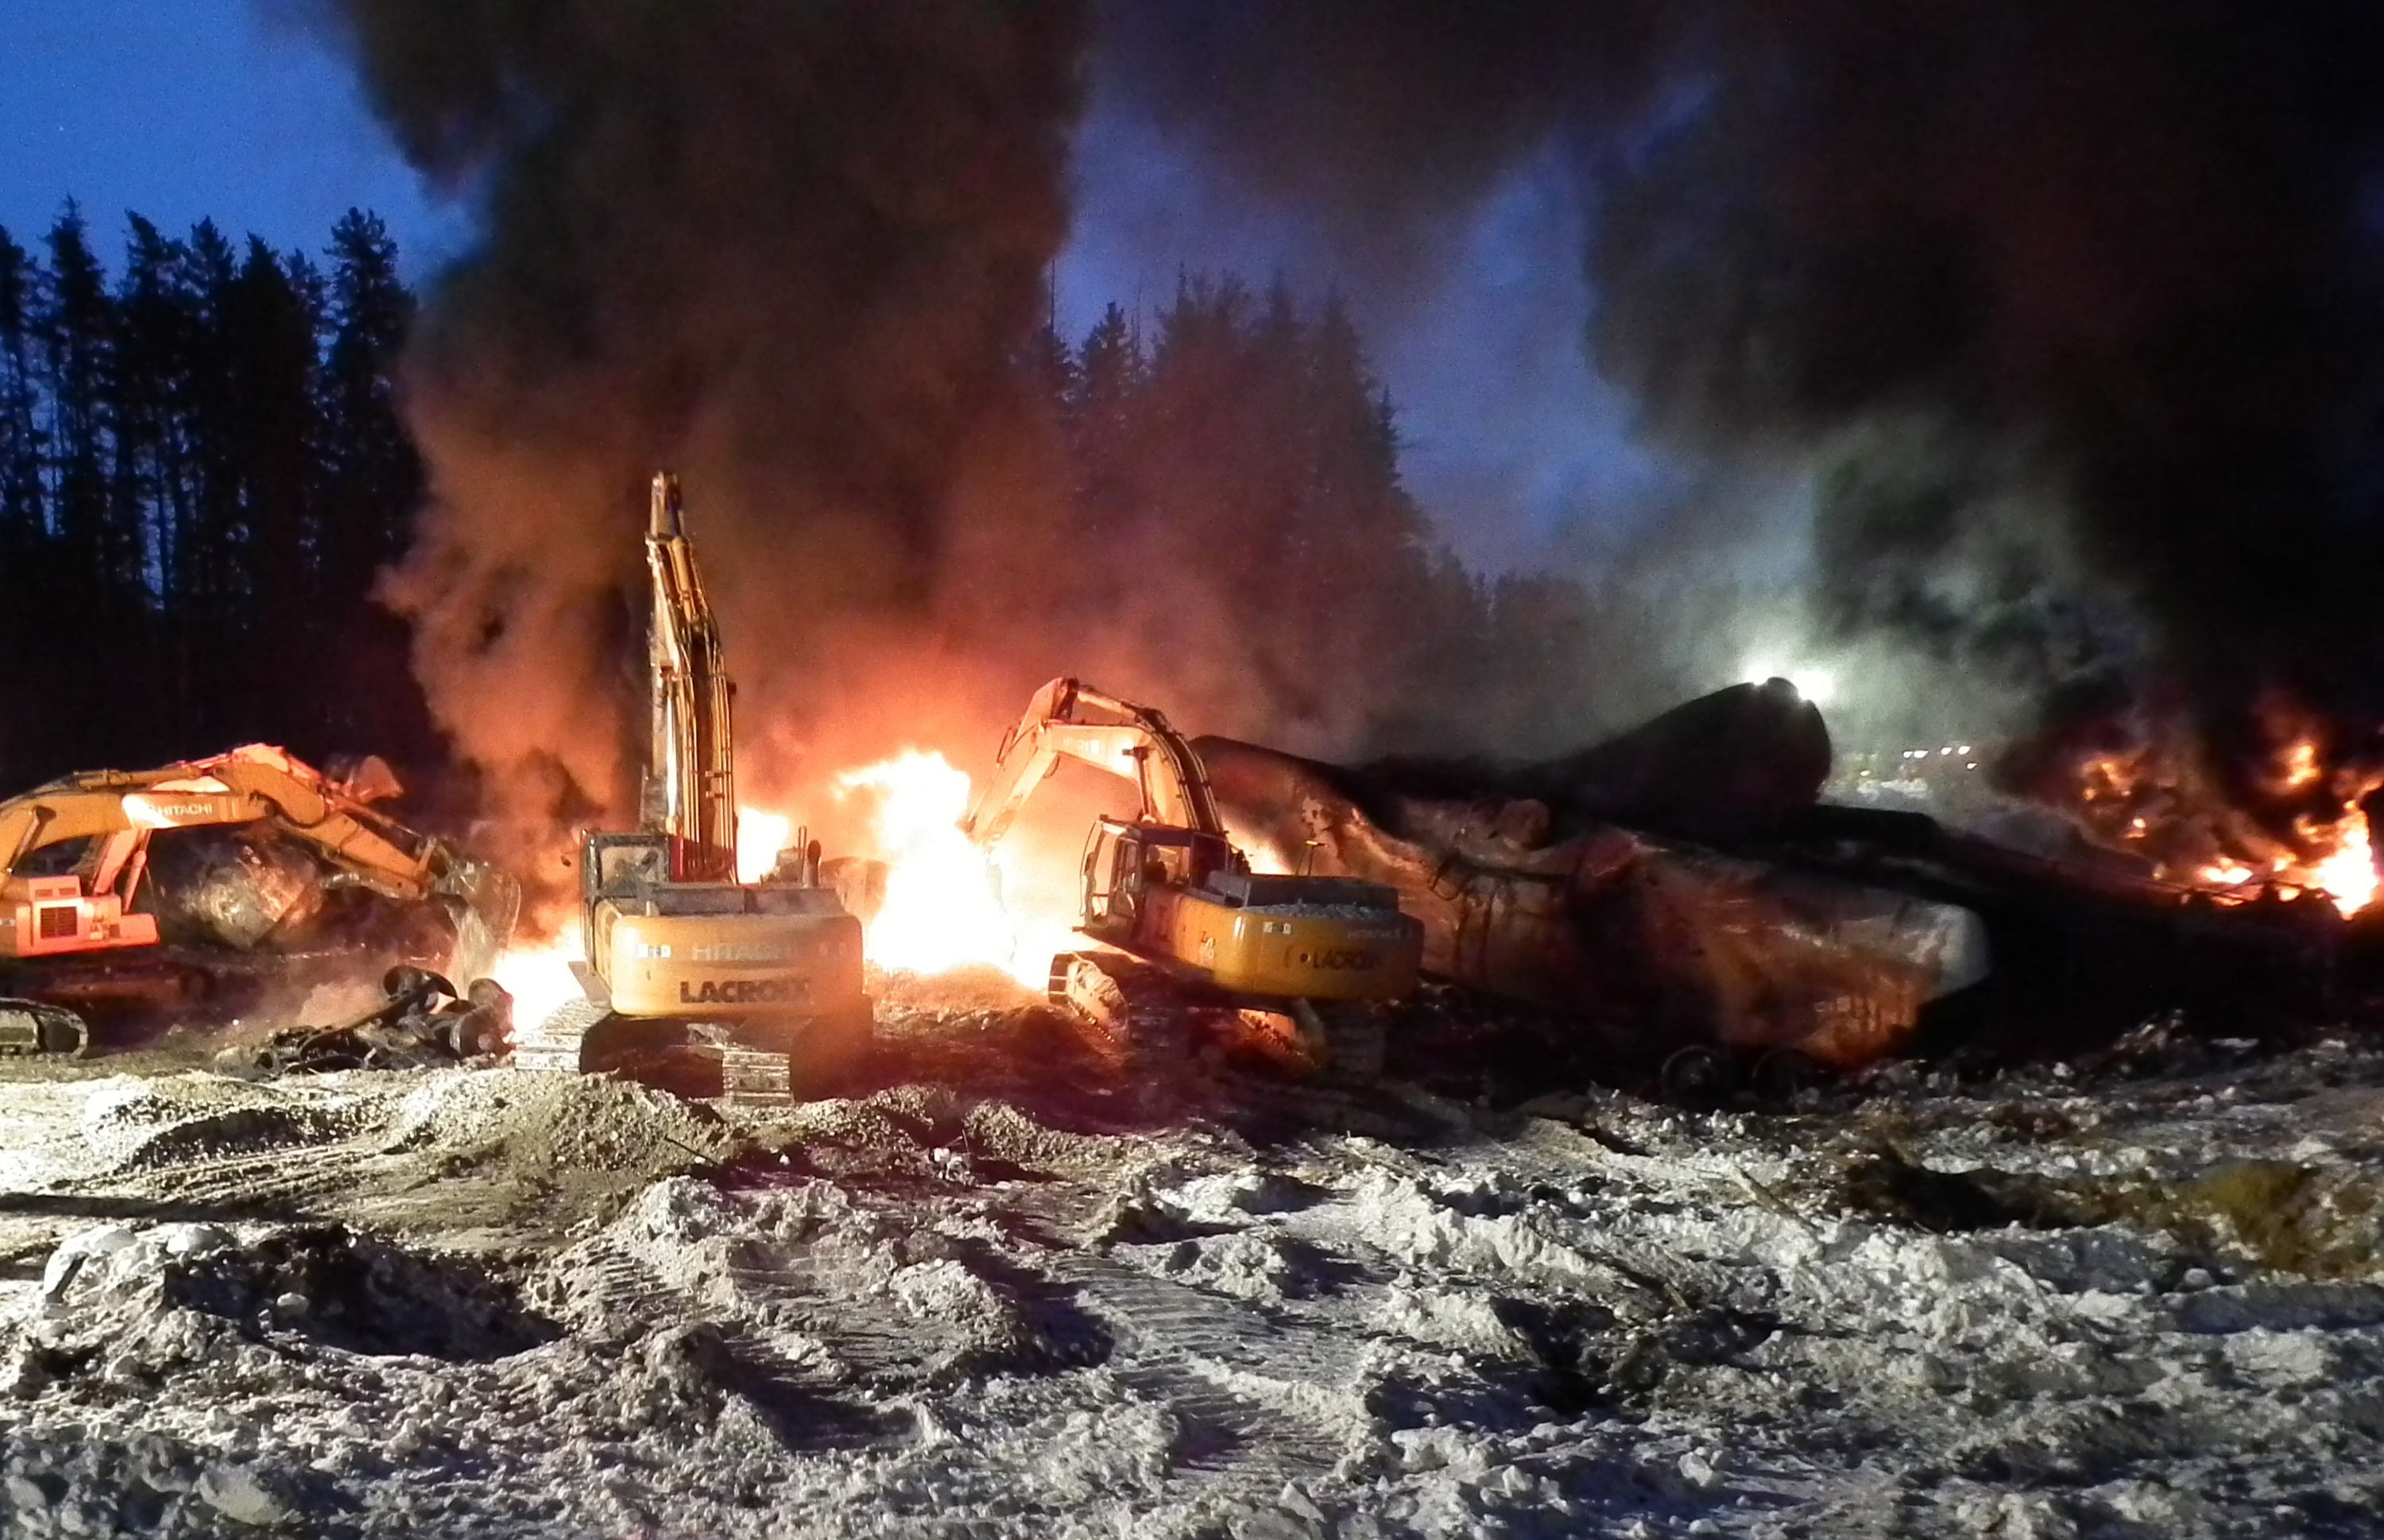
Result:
<point x="989" y="1294"/>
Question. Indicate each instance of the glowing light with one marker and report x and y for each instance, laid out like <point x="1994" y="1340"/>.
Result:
<point x="2345" y="874"/>
<point x="943" y="906"/>
<point x="1818" y="685"/>
<point x="539" y="978"/>
<point x="2333" y="856"/>
<point x="760" y="838"/>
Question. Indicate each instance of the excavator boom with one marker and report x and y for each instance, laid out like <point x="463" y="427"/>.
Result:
<point x="690" y="791"/>
<point x="692" y="980"/>
<point x="251" y="783"/>
<point x="1066" y="720"/>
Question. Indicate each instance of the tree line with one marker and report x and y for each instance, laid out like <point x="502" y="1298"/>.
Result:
<point x="201" y="469"/>
<point x="1235" y="490"/>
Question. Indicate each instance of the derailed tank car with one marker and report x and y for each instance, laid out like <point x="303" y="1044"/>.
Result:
<point x="1684" y="886"/>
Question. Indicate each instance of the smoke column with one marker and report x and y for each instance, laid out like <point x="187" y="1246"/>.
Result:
<point x="785" y="249"/>
<point x="797" y="252"/>
<point x="2069" y="310"/>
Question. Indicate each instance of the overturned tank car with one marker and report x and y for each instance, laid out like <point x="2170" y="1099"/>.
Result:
<point x="1684" y="886"/>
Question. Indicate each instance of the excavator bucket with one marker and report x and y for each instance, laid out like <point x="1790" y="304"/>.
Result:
<point x="485" y="902"/>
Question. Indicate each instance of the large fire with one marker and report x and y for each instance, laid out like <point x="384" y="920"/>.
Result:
<point x="2344" y="872"/>
<point x="947" y="904"/>
<point x="2330" y="854"/>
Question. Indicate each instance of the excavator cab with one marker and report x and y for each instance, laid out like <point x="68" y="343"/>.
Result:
<point x="1113" y="878"/>
<point x="619" y="866"/>
<point x="1125" y="861"/>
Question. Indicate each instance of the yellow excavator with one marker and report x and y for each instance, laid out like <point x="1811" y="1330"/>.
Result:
<point x="199" y="888"/>
<point x="1199" y="938"/>
<point x="692" y="980"/>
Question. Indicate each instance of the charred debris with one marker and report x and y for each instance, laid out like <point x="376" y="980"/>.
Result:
<point x="1686" y="895"/>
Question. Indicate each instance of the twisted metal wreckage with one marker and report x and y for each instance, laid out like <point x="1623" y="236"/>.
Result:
<point x="1684" y="887"/>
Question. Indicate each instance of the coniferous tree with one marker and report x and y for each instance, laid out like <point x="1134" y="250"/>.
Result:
<point x="74" y="333"/>
<point x="216" y="541"/>
<point x="273" y="309"/>
<point x="373" y="481"/>
<point x="373" y="478"/>
<point x="24" y="523"/>
<point x="160" y="360"/>
<point x="202" y="470"/>
<point x="156" y="353"/>
<point x="1099" y="412"/>
<point x="21" y="440"/>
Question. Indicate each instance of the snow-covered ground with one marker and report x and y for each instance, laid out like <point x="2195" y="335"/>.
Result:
<point x="991" y="1297"/>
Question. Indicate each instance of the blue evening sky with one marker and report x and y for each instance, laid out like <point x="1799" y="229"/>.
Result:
<point x="190" y="109"/>
<point x="180" y="109"/>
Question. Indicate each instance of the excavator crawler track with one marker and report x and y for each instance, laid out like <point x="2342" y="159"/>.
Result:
<point x="1346" y="1041"/>
<point x="1136" y="1017"/>
<point x="29" y="1026"/>
<point x="752" y="1065"/>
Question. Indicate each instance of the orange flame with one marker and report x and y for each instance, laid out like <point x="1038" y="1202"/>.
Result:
<point x="2134" y="802"/>
<point x="945" y="898"/>
<point x="2301" y="767"/>
<point x="2348" y="874"/>
<point x="539" y="978"/>
<point x="2344" y="868"/>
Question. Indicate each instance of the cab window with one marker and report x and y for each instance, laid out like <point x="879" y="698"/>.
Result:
<point x="64" y="859"/>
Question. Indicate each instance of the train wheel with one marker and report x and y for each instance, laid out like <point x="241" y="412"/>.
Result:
<point x="1696" y="1077"/>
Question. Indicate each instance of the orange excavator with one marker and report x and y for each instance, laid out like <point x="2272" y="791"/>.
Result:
<point x="199" y="888"/>
<point x="692" y="980"/>
<point x="1192" y="937"/>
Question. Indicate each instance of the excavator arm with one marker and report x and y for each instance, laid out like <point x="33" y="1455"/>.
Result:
<point x="1067" y="720"/>
<point x="690" y="791"/>
<point x="249" y="785"/>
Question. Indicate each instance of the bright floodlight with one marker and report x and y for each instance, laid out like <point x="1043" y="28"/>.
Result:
<point x="1815" y="685"/>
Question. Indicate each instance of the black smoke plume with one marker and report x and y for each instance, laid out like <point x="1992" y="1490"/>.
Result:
<point x="2073" y="308"/>
<point x="787" y="249"/>
<point x="799" y="253"/>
